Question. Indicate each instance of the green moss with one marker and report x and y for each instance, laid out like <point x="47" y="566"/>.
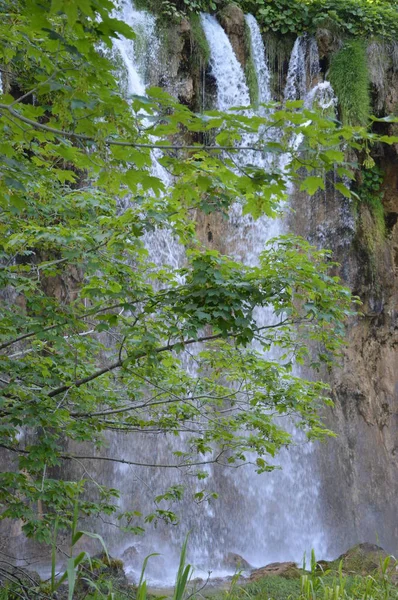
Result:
<point x="349" y="77"/>
<point x="200" y="47"/>
<point x="250" y="70"/>
<point x="362" y="559"/>
<point x="370" y="192"/>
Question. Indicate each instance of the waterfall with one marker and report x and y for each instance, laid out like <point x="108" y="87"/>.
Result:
<point x="296" y="82"/>
<point x="139" y="56"/>
<point x="231" y="83"/>
<point x="259" y="59"/>
<point x="162" y="248"/>
<point x="140" y="22"/>
<point x="275" y="510"/>
<point x="322" y="94"/>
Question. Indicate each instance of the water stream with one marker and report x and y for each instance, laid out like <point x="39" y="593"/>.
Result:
<point x="277" y="512"/>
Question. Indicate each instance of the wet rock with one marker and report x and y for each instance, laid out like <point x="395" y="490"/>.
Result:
<point x="236" y="562"/>
<point x="185" y="27"/>
<point x="185" y="90"/>
<point x="289" y="570"/>
<point x="328" y="42"/>
<point x="197" y="581"/>
<point x="232" y="20"/>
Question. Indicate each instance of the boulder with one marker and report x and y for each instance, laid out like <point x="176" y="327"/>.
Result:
<point x="362" y="559"/>
<point x="288" y="570"/>
<point x="232" y="20"/>
<point x="236" y="562"/>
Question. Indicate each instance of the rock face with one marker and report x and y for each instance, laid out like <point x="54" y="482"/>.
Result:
<point x="232" y="20"/>
<point x="288" y="570"/>
<point x="358" y="469"/>
<point x="130" y="555"/>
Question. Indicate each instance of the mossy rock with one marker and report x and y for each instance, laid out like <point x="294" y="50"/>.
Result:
<point x="288" y="570"/>
<point x="363" y="559"/>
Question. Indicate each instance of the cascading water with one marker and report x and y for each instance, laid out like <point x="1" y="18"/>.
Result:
<point x="276" y="511"/>
<point x="136" y="64"/>
<point x="232" y="89"/>
<point x="260" y="63"/>
<point x="296" y="83"/>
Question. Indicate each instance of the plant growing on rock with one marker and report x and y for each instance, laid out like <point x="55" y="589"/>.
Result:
<point x="350" y="79"/>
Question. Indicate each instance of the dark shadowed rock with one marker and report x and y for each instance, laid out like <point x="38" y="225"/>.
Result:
<point x="322" y="566"/>
<point x="289" y="570"/>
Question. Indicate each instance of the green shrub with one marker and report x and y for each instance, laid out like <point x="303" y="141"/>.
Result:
<point x="349" y="77"/>
<point x="176" y="9"/>
<point x="356" y="17"/>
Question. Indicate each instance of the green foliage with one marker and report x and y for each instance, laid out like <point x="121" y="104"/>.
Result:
<point x="317" y="585"/>
<point x="336" y="584"/>
<point x="363" y="18"/>
<point x="92" y="332"/>
<point x="350" y="79"/>
<point x="184" y="574"/>
<point x="177" y="9"/>
<point x="282" y="16"/>
<point x="353" y="17"/>
<point x="74" y="563"/>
